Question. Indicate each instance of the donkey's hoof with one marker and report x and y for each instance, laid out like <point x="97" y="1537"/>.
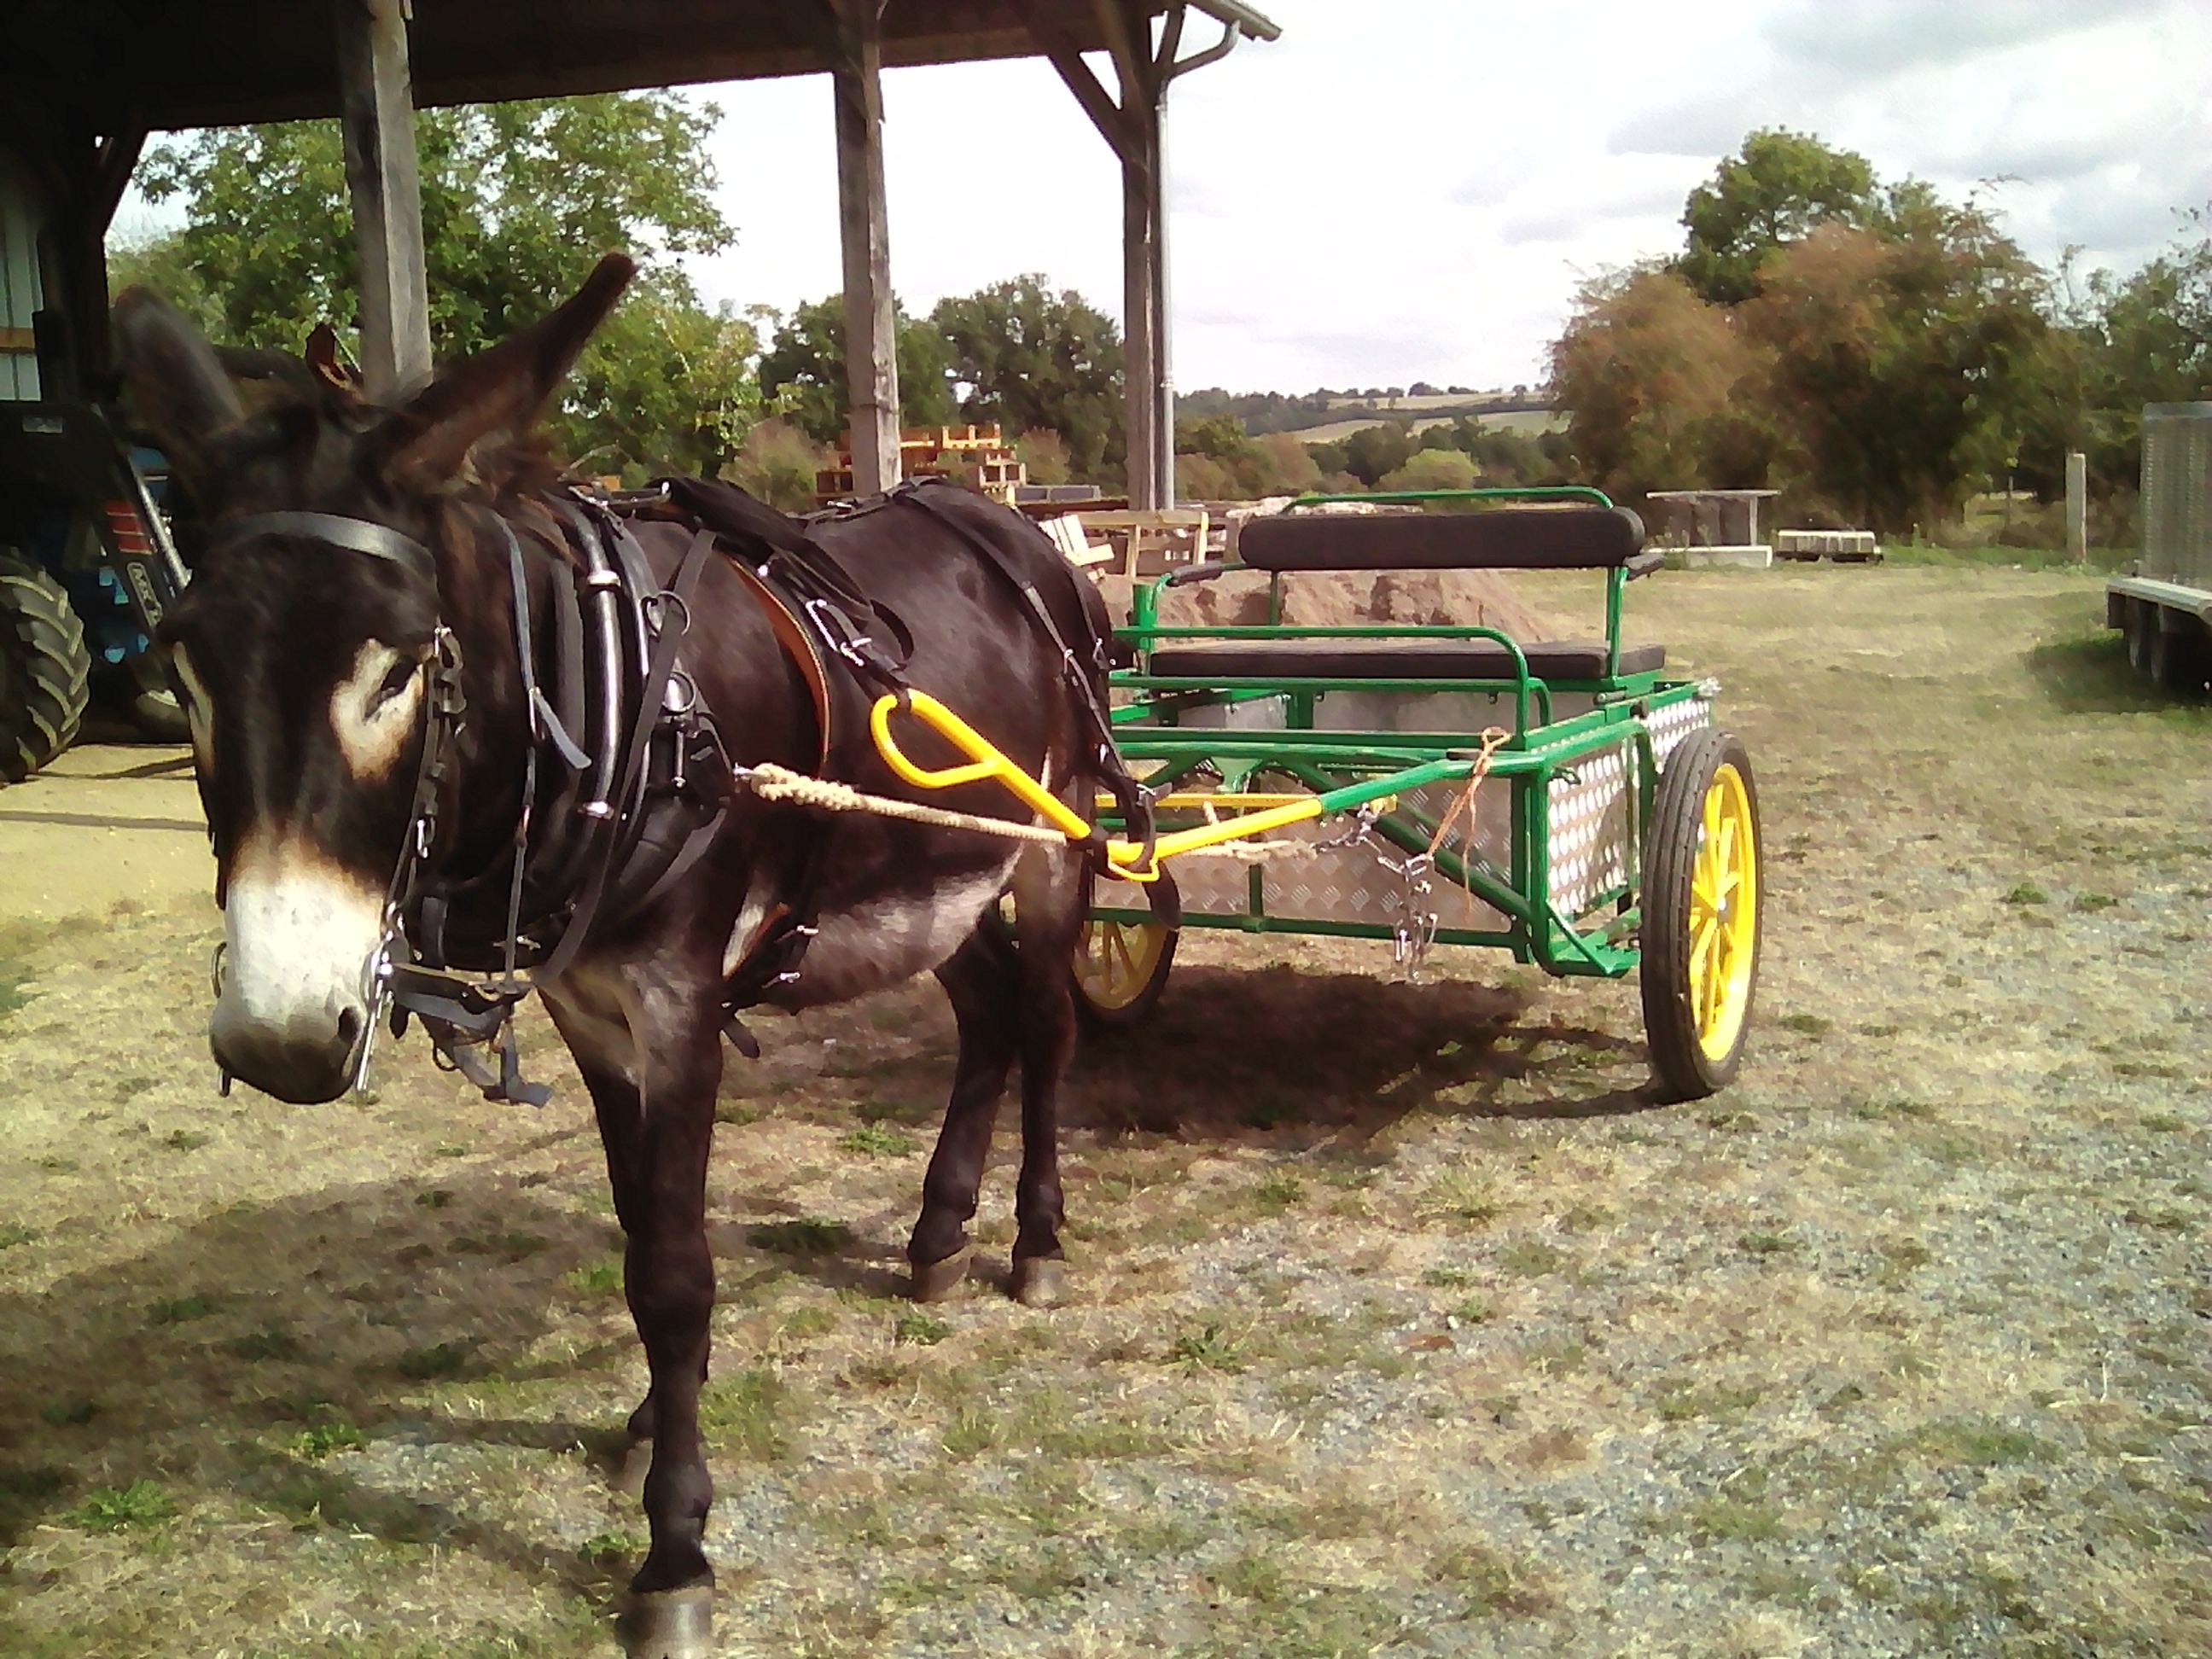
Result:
<point x="1039" y="1281"/>
<point x="632" y="1465"/>
<point x="935" y="1280"/>
<point x="677" y="1624"/>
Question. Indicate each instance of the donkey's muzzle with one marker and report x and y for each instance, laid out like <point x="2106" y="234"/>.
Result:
<point x="292" y="1003"/>
<point x="309" y="1057"/>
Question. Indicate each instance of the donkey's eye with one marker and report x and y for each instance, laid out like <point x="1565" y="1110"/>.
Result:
<point x="397" y="679"/>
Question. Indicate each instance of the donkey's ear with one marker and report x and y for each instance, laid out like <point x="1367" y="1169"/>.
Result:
<point x="497" y="394"/>
<point x="181" y="387"/>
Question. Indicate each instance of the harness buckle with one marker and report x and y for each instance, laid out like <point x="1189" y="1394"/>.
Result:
<point x="842" y="633"/>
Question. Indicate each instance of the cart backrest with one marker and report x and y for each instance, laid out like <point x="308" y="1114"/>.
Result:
<point x="1504" y="539"/>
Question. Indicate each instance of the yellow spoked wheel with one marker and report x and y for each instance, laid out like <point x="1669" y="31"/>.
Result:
<point x="1701" y="908"/>
<point x="1120" y="968"/>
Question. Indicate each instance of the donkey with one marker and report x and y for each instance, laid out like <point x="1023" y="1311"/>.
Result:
<point x="306" y="669"/>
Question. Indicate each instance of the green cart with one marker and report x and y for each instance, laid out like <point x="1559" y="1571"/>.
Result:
<point x="1564" y="800"/>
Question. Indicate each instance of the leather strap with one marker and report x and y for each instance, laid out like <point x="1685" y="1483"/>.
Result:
<point x="657" y="670"/>
<point x="377" y="541"/>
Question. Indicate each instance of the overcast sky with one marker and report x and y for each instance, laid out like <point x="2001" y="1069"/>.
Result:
<point x="1402" y="190"/>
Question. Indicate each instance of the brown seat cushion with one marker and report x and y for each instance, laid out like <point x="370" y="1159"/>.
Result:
<point x="1396" y="660"/>
<point x="1508" y="538"/>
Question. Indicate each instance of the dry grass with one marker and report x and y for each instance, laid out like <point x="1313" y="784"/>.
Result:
<point x="1404" y="1324"/>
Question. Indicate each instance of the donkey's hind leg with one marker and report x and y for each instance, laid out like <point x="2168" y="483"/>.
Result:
<point x="1051" y="892"/>
<point x="980" y="979"/>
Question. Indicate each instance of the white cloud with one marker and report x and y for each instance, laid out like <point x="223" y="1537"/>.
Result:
<point x="1882" y="36"/>
<point x="1403" y="190"/>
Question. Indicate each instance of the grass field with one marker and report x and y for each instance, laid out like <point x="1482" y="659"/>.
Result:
<point x="1404" y="1323"/>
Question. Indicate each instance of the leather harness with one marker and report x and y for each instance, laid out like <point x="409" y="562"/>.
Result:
<point x="631" y="814"/>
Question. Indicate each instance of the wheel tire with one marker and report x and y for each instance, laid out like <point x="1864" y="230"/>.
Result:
<point x="45" y="670"/>
<point x="1699" y="985"/>
<point x="2142" y="634"/>
<point x="2178" y="661"/>
<point x="153" y="708"/>
<point x="1121" y="970"/>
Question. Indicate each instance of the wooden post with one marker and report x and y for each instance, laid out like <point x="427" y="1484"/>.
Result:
<point x="1148" y="392"/>
<point x="2077" y="506"/>
<point x="1134" y="126"/>
<point x="378" y="107"/>
<point x="864" y="224"/>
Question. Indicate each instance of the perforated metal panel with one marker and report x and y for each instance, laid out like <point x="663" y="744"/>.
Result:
<point x="1590" y="814"/>
<point x="2177" y="493"/>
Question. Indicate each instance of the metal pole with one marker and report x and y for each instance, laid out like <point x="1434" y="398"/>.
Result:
<point x="2077" y="506"/>
<point x="378" y="109"/>
<point x="864" y="222"/>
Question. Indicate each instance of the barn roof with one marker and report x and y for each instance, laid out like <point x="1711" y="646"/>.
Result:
<point x="114" y="64"/>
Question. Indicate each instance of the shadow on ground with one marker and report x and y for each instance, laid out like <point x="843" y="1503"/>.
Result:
<point x="203" y="1363"/>
<point x="1232" y="1052"/>
<point x="2089" y="675"/>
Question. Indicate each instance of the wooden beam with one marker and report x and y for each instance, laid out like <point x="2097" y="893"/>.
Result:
<point x="377" y="110"/>
<point x="864" y="226"/>
<point x="1069" y="61"/>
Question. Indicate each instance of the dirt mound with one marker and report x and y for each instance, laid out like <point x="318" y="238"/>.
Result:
<point x="1347" y="599"/>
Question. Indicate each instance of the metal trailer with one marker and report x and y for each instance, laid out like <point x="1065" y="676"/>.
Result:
<point x="1566" y="802"/>
<point x="2164" y="608"/>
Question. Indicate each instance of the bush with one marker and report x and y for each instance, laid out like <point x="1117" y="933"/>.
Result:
<point x="1433" y="469"/>
<point x="777" y="462"/>
<point x="1044" y="452"/>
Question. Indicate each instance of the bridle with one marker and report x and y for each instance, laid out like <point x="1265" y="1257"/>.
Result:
<point x="482" y="1014"/>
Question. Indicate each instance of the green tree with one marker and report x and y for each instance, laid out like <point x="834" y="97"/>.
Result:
<point x="1433" y="469"/>
<point x="1775" y="190"/>
<point x="1030" y="357"/>
<point x="519" y="200"/>
<point x="803" y="371"/>
<point x="1879" y="362"/>
<point x="1375" y="451"/>
<point x="1659" y="381"/>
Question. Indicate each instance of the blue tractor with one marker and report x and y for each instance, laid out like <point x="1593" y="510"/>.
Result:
<point x="87" y="564"/>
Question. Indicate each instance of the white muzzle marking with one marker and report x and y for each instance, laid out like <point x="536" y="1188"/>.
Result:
<point x="298" y="935"/>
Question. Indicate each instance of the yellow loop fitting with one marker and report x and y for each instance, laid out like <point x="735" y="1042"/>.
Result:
<point x="986" y="761"/>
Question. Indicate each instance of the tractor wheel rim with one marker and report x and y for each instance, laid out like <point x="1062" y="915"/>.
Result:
<point x="1723" y="914"/>
<point x="1115" y="961"/>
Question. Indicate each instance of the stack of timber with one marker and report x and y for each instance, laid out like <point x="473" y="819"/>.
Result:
<point x="1843" y="546"/>
<point x="976" y="457"/>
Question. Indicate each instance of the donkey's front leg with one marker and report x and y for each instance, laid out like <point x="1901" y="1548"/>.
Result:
<point x="648" y="1050"/>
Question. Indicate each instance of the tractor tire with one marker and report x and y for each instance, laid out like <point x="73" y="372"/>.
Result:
<point x="44" y="669"/>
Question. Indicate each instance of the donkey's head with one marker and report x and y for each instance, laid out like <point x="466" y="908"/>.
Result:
<point x="338" y="539"/>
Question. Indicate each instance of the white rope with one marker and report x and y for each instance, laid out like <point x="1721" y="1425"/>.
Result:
<point x="772" y="782"/>
<point x="777" y="783"/>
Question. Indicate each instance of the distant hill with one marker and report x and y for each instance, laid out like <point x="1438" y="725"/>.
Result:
<point x="1262" y="412"/>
